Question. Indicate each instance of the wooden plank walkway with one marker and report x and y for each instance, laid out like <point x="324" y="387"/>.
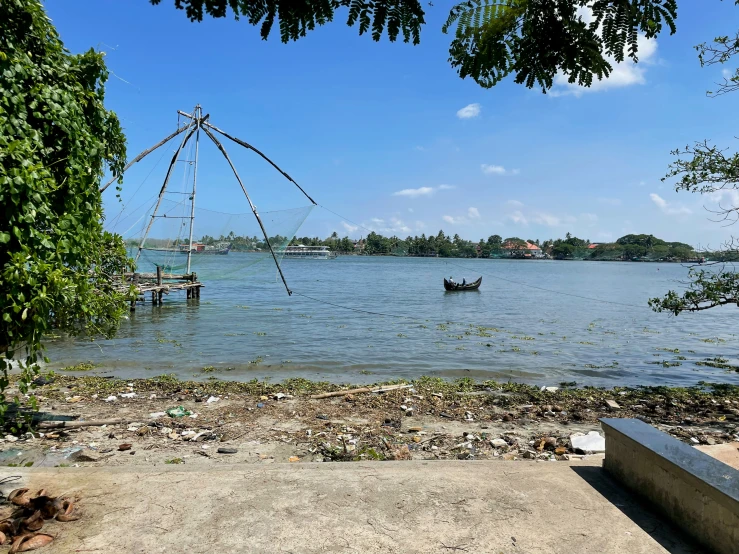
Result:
<point x="158" y="284"/>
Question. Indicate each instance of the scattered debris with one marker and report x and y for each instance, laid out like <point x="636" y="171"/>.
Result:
<point x="125" y="446"/>
<point x="549" y="389"/>
<point x="592" y="442"/>
<point x="386" y="388"/>
<point x="224" y="450"/>
<point x="612" y="405"/>
<point x="179" y="411"/>
<point x="22" y="526"/>
<point x="111" y="399"/>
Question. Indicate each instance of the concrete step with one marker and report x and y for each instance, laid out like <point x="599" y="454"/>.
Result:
<point x="403" y="507"/>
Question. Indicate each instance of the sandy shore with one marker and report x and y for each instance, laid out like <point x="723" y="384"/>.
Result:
<point x="228" y="422"/>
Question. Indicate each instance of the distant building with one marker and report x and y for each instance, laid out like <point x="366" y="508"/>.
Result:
<point x="593" y="245"/>
<point x="525" y="250"/>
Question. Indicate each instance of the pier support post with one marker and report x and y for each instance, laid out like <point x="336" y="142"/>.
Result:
<point x="159" y="294"/>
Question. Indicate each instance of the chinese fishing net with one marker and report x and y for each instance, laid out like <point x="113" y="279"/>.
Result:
<point x="168" y="232"/>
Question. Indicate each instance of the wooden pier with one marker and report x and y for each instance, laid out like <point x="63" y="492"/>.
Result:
<point x="158" y="284"/>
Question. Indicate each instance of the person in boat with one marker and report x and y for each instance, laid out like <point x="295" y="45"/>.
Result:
<point x="451" y="280"/>
<point x="464" y="281"/>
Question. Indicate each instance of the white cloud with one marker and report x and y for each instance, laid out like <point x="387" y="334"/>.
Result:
<point x="388" y="227"/>
<point x="728" y="198"/>
<point x="420" y="225"/>
<point x="604" y="236"/>
<point x="518" y="218"/>
<point x="547" y="219"/>
<point x="420" y="148"/>
<point x="448" y="219"/>
<point x="668" y="208"/>
<point x="489" y="169"/>
<point x="590" y="219"/>
<point x="469" y="111"/>
<point x="623" y="74"/>
<point x="413" y="193"/>
<point x="349" y="228"/>
<point x="515" y="203"/>
<point x="609" y="201"/>
<point x="726" y="73"/>
<point x="422" y="191"/>
<point x="473" y="213"/>
<point x="410" y="210"/>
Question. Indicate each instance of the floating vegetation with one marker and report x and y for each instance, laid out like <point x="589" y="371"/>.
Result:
<point x="242" y="307"/>
<point x="84" y="366"/>
<point x="260" y="334"/>
<point x="665" y="363"/>
<point x="277" y="309"/>
<point x="458" y="337"/>
<point x="612" y="365"/>
<point x="460" y="348"/>
<point x="568" y="384"/>
<point x="524" y="337"/>
<point x="302" y="315"/>
<point x="257" y="360"/>
<point x="648" y="330"/>
<point x="673" y="350"/>
<point x="680" y="358"/>
<point x="161" y="340"/>
<point x="718" y="363"/>
<point x="208" y="369"/>
<point x="442" y="327"/>
<point x="713" y="341"/>
<point x="365" y="372"/>
<point x="586" y="342"/>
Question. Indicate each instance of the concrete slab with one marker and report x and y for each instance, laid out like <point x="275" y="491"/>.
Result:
<point x="398" y="507"/>
<point x="727" y="452"/>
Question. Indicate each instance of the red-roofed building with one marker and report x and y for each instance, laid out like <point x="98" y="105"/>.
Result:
<point x="523" y="250"/>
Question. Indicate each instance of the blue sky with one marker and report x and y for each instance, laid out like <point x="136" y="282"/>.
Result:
<point x="388" y="135"/>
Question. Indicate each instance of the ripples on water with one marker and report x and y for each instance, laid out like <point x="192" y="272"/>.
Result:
<point x="245" y="325"/>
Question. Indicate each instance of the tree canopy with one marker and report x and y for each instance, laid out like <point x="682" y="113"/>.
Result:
<point x="532" y="40"/>
<point x="707" y="169"/>
<point x="56" y="141"/>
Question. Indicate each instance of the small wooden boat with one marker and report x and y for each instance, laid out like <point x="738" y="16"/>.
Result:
<point x="474" y="285"/>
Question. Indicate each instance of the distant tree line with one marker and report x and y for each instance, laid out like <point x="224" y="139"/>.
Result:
<point x="629" y="247"/>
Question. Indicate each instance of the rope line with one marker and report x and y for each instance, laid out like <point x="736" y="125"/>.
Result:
<point x="503" y="278"/>
<point x="346" y="219"/>
<point x="552" y="291"/>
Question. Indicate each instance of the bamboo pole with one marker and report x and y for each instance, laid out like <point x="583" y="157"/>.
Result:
<point x="198" y="117"/>
<point x="359" y="391"/>
<point x="146" y="153"/>
<point x="253" y="208"/>
<point x="76" y="424"/>
<point x="273" y="164"/>
<point x="163" y="189"/>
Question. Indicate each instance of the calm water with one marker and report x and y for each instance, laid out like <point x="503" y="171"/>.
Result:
<point x="245" y="325"/>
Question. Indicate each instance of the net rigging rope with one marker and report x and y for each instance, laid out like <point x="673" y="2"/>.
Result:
<point x="591" y="299"/>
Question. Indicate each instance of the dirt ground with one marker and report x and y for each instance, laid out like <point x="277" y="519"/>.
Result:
<point x="266" y="423"/>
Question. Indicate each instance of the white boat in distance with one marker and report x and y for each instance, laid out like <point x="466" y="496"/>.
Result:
<point x="309" y="252"/>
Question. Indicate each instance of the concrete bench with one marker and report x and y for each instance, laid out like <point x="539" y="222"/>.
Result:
<point x="698" y="493"/>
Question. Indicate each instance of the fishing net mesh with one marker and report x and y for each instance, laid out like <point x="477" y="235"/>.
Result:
<point x="223" y="243"/>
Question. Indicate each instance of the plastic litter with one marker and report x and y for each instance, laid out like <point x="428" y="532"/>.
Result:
<point x="592" y="442"/>
<point x="179" y="411"/>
